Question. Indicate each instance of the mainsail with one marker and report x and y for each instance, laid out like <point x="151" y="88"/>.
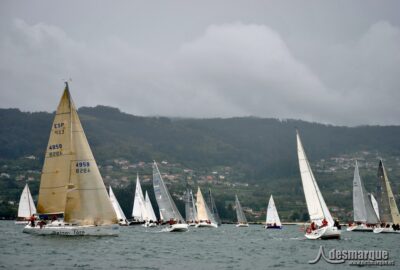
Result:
<point x="363" y="209"/>
<point x="316" y="206"/>
<point x="272" y="213"/>
<point x="213" y="208"/>
<point x="168" y="209"/>
<point x="388" y="211"/>
<point x="190" y="207"/>
<point x="203" y="212"/>
<point x="26" y="207"/>
<point x="139" y="211"/>
<point x="241" y="218"/>
<point x="71" y="182"/>
<point x="149" y="208"/>
<point x="120" y="214"/>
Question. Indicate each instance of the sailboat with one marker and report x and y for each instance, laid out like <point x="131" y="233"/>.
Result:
<point x="213" y="208"/>
<point x="365" y="218"/>
<point x="272" y="219"/>
<point x="122" y="221"/>
<point x="322" y="226"/>
<point x="139" y="212"/>
<point x="241" y="218"/>
<point x="190" y="208"/>
<point x="204" y="216"/>
<point x="388" y="211"/>
<point x="71" y="185"/>
<point x="168" y="210"/>
<point x="26" y="207"/>
<point x="151" y="219"/>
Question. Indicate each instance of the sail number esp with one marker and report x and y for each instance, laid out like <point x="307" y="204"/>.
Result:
<point x="59" y="128"/>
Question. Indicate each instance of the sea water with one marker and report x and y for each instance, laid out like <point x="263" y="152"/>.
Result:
<point x="227" y="247"/>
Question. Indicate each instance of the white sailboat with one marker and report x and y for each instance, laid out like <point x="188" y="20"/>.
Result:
<point x="241" y="218"/>
<point x="151" y="220"/>
<point x="272" y="219"/>
<point x="168" y="210"/>
<point x="71" y="184"/>
<point x="139" y="212"/>
<point x="26" y="207"/>
<point x="190" y="208"/>
<point x="388" y="211"/>
<point x="365" y="218"/>
<point x="322" y="226"/>
<point x="122" y="221"/>
<point x="204" y="216"/>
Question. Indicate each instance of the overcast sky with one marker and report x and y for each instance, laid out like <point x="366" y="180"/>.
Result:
<point x="327" y="61"/>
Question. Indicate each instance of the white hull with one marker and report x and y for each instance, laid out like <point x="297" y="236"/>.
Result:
<point x="324" y="233"/>
<point x="192" y="224"/>
<point x="21" y="222"/>
<point x="147" y="225"/>
<point x="359" y="228"/>
<point x="206" y="225"/>
<point x="73" y="230"/>
<point x="177" y="228"/>
<point x="242" y="225"/>
<point x="385" y="230"/>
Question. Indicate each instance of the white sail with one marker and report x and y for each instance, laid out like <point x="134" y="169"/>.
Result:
<point x="375" y="205"/>
<point x="241" y="218"/>
<point x="168" y="209"/>
<point x="120" y="214"/>
<point x="26" y="207"/>
<point x="272" y="213"/>
<point x="362" y="206"/>
<point x="139" y="211"/>
<point x="149" y="208"/>
<point x="203" y="212"/>
<point x="190" y="206"/>
<point x="316" y="205"/>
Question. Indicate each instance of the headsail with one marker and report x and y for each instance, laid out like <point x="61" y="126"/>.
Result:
<point x="213" y="208"/>
<point x="26" y="207"/>
<point x="388" y="211"/>
<point x="316" y="205"/>
<point x="139" y="211"/>
<point x="120" y="214"/>
<point x="241" y="218"/>
<point x="149" y="208"/>
<point x="168" y="209"/>
<point x="203" y="212"/>
<point x="190" y="207"/>
<point x="374" y="205"/>
<point x="272" y="213"/>
<point x="363" y="209"/>
<point x="71" y="181"/>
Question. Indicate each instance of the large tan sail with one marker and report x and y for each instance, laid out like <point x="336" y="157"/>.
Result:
<point x="201" y="207"/>
<point x="387" y="199"/>
<point x="58" y="157"/>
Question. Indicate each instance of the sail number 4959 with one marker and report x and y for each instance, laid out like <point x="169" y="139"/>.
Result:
<point x="82" y="167"/>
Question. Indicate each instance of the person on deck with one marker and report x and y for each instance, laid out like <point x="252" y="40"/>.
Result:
<point x="324" y="223"/>
<point x="32" y="220"/>
<point x="313" y="227"/>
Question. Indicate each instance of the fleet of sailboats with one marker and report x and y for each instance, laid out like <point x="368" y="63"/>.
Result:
<point x="73" y="199"/>
<point x="322" y="224"/>
<point x="71" y="186"/>
<point x="26" y="207"/>
<point x="365" y="218"/>
<point x="272" y="218"/>
<point x="241" y="218"/>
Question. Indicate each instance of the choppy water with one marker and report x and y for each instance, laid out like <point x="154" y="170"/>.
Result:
<point x="227" y="247"/>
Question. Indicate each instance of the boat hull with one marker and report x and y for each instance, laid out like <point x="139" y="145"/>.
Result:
<point x="148" y="225"/>
<point x="242" y="225"/>
<point x="73" y="230"/>
<point x="359" y="228"/>
<point x="324" y="233"/>
<point x="206" y="225"/>
<point x="177" y="228"/>
<point x="272" y="227"/>
<point x="385" y="230"/>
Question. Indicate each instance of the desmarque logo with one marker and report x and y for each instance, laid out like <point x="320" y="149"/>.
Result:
<point x="354" y="257"/>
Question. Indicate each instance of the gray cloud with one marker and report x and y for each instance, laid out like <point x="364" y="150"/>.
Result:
<point x="224" y="68"/>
